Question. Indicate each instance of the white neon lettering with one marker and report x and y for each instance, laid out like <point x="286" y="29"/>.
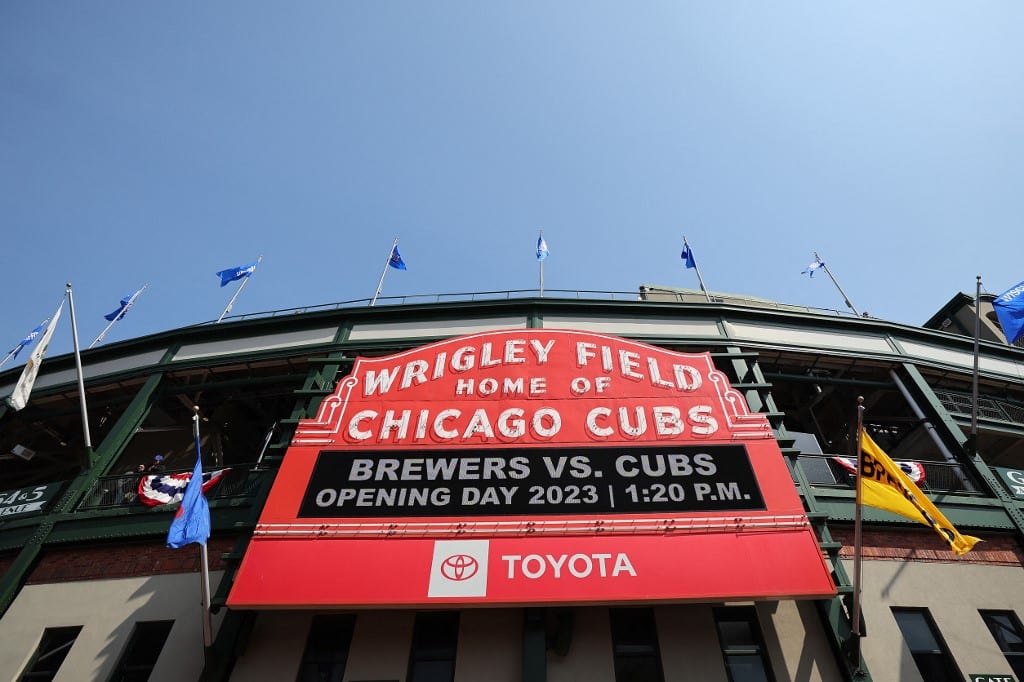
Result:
<point x="592" y="426"/>
<point x="354" y="432"/>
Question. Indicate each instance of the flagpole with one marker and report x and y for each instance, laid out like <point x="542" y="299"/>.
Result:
<point x="207" y="624"/>
<point x="846" y="299"/>
<point x="696" y="268"/>
<point x="540" y="266"/>
<point x="857" y="524"/>
<point x="380" y="284"/>
<point x="119" y="315"/>
<point x="19" y="346"/>
<point x="972" y="440"/>
<point x="245" y="280"/>
<point x="266" y="444"/>
<point x="81" y="381"/>
<point x="204" y="560"/>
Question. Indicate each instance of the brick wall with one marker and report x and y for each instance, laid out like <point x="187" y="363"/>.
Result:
<point x="900" y="544"/>
<point x="124" y="561"/>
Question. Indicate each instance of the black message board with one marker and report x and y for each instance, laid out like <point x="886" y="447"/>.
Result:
<point x="531" y="482"/>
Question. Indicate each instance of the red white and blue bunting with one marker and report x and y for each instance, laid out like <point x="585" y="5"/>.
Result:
<point x="914" y="470"/>
<point x="170" y="488"/>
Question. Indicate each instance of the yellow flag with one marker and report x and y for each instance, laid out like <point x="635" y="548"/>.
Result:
<point x="887" y="487"/>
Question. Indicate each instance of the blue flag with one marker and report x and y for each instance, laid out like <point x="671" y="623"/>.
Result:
<point x="1009" y="307"/>
<point x="122" y="309"/>
<point x="192" y="521"/>
<point x="120" y="312"/>
<point x="396" y="259"/>
<point x="542" y="248"/>
<point x="687" y="255"/>
<point x="809" y="270"/>
<point x="232" y="274"/>
<point x="28" y="339"/>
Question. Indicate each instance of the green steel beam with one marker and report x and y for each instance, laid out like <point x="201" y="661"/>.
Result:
<point x="71" y="528"/>
<point x="827" y="381"/>
<point x="229" y="642"/>
<point x="18" y="572"/>
<point x="19" y="569"/>
<point x="110" y="449"/>
<point x="15" y="539"/>
<point x="834" y="612"/>
<point x="229" y="383"/>
<point x="956" y="434"/>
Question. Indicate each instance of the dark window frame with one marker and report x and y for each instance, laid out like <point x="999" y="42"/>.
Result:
<point x="434" y="647"/>
<point x="636" y="658"/>
<point x="1014" y="657"/>
<point x="54" y="642"/>
<point x="143" y="637"/>
<point x="327" y="648"/>
<point x="751" y="650"/>
<point x="935" y="664"/>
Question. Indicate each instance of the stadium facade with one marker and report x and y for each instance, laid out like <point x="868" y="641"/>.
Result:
<point x="634" y="487"/>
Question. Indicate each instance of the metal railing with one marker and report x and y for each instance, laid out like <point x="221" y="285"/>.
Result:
<point x="939" y="477"/>
<point x="651" y="294"/>
<point x="988" y="408"/>
<point x="108" y="492"/>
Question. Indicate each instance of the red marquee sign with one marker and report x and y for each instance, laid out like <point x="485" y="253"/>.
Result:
<point x="528" y="467"/>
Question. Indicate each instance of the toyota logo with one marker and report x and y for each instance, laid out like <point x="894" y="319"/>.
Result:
<point x="459" y="567"/>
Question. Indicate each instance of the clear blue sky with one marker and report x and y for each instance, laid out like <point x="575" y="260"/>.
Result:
<point x="146" y="142"/>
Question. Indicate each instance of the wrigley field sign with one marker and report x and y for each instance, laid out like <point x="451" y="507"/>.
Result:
<point x="531" y="466"/>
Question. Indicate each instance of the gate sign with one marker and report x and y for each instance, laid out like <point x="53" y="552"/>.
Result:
<point x="530" y="467"/>
<point x="1013" y="479"/>
<point x="30" y="500"/>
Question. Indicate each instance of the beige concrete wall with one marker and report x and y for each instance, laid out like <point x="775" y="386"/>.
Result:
<point x="491" y="641"/>
<point x="795" y="641"/>
<point x="793" y="637"/>
<point x="380" y="646"/>
<point x="275" y="646"/>
<point x="689" y="644"/>
<point x="490" y="645"/>
<point x="590" y="656"/>
<point x="107" y="610"/>
<point x="953" y="593"/>
<point x="379" y="649"/>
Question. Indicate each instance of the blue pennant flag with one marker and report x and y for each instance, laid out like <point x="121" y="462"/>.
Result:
<point x="192" y="521"/>
<point x="1009" y="307"/>
<point x="542" y="248"/>
<point x="810" y="269"/>
<point x="122" y="309"/>
<point x="232" y="274"/>
<point x="28" y="339"/>
<point x="396" y="259"/>
<point x="687" y="255"/>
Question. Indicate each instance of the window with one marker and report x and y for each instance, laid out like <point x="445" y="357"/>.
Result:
<point x="144" y="647"/>
<point x="327" y="646"/>
<point x="52" y="650"/>
<point x="1006" y="628"/>
<point x="635" y="646"/>
<point x="434" y="640"/>
<point x="926" y="646"/>
<point x="742" y="646"/>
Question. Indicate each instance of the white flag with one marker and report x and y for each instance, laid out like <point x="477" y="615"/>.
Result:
<point x="19" y="398"/>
